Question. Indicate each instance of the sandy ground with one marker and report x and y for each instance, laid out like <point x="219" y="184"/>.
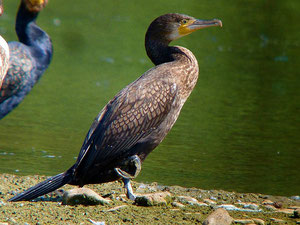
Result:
<point x="49" y="210"/>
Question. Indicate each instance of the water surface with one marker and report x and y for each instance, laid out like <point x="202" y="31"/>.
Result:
<point x="239" y="130"/>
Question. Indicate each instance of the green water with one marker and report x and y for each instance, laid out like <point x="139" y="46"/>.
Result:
<point x="240" y="128"/>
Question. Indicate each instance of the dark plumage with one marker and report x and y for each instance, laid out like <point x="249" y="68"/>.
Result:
<point x="29" y="58"/>
<point x="138" y="118"/>
<point x="4" y="53"/>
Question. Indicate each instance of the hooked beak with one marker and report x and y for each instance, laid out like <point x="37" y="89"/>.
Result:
<point x="199" y="24"/>
<point x="194" y="25"/>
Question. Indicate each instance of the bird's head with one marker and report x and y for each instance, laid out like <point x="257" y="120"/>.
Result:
<point x="172" y="26"/>
<point x="35" y="5"/>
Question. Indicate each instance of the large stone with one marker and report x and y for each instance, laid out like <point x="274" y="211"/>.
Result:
<point x="153" y="199"/>
<point x="218" y="217"/>
<point x="82" y="196"/>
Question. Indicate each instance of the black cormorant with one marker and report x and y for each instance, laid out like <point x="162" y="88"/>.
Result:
<point x="139" y="117"/>
<point x="29" y="58"/>
<point x="4" y="53"/>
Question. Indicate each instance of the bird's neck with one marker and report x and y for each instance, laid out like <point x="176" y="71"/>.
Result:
<point x="160" y="52"/>
<point x="32" y="35"/>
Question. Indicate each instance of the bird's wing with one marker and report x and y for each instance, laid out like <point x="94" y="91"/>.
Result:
<point x="133" y="114"/>
<point x="18" y="73"/>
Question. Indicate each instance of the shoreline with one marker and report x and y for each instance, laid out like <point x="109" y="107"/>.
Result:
<point x="187" y="205"/>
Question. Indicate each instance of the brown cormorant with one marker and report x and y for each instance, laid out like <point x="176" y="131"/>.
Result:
<point x="4" y="53"/>
<point x="29" y="58"/>
<point x="139" y="117"/>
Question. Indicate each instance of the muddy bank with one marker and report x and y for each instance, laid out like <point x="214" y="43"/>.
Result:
<point x="187" y="206"/>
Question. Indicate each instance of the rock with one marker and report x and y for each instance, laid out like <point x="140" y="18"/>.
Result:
<point x="297" y="213"/>
<point x="116" y="208"/>
<point x="159" y="198"/>
<point x="218" y="217"/>
<point x="177" y="204"/>
<point x="97" y="222"/>
<point x="270" y="207"/>
<point x="82" y="196"/>
<point x="278" y="205"/>
<point x="267" y="202"/>
<point x="258" y="221"/>
<point x="243" y="221"/>
<point x="191" y="201"/>
<point x="228" y="207"/>
<point x="275" y="220"/>
<point x="286" y="211"/>
<point x="297" y="197"/>
<point x="248" y="205"/>
<point x="209" y="201"/>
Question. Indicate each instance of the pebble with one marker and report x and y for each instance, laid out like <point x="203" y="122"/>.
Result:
<point x="278" y="205"/>
<point x="228" y="207"/>
<point x="159" y="198"/>
<point x="248" y="205"/>
<point x="275" y="220"/>
<point x="267" y="202"/>
<point x="178" y="204"/>
<point x="96" y="222"/>
<point x="209" y="201"/>
<point x="297" y="213"/>
<point x="83" y="196"/>
<point x="297" y="197"/>
<point x="234" y="208"/>
<point x="258" y="221"/>
<point x="116" y="208"/>
<point x="191" y="201"/>
<point x="244" y="221"/>
<point x="218" y="217"/>
<point x="286" y="211"/>
<point x="270" y="207"/>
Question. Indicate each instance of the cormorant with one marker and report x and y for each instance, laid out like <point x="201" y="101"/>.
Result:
<point x="139" y="117"/>
<point x="29" y="58"/>
<point x="4" y="53"/>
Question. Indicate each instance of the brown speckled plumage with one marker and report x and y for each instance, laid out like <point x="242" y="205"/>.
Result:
<point x="139" y="117"/>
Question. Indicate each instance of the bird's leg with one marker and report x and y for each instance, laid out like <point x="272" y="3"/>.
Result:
<point x="129" y="191"/>
<point x="134" y="165"/>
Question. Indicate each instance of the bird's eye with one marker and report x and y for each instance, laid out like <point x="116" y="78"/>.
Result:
<point x="184" y="21"/>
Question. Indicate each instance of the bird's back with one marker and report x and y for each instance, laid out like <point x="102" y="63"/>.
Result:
<point x="134" y="122"/>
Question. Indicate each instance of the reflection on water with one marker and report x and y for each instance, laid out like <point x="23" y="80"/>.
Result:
<point x="239" y="130"/>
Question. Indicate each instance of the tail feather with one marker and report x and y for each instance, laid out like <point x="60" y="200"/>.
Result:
<point x="44" y="187"/>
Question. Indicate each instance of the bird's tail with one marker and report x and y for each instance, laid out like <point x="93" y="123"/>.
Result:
<point x="44" y="187"/>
